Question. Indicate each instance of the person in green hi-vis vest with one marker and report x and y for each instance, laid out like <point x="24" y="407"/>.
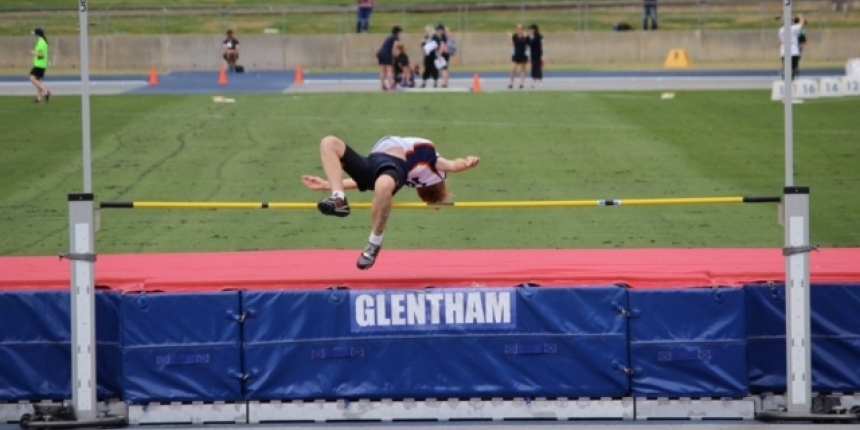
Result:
<point x="40" y="64"/>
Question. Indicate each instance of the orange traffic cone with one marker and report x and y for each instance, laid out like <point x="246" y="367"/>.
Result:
<point x="222" y="78"/>
<point x="476" y="83"/>
<point x="300" y="76"/>
<point x="153" y="76"/>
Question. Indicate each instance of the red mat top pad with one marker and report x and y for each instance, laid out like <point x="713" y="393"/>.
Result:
<point x="315" y="269"/>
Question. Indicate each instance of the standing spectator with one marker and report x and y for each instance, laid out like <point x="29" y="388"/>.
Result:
<point x="650" y="14"/>
<point x="841" y="4"/>
<point x="801" y="39"/>
<point x="536" y="53"/>
<point x="520" y="58"/>
<point x="794" y="42"/>
<point x="430" y="46"/>
<point x="40" y="65"/>
<point x="442" y="33"/>
<point x="365" y="8"/>
<point x="450" y="51"/>
<point x="231" y="50"/>
<point x="385" y="55"/>
<point x="402" y="71"/>
<point x="450" y="43"/>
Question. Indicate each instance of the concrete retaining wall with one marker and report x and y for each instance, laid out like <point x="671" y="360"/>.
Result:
<point x="279" y="52"/>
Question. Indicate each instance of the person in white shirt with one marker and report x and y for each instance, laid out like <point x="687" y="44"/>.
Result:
<point x="393" y="162"/>
<point x="796" y="29"/>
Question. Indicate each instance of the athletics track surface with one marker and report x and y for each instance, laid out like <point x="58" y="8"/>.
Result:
<point x="206" y="83"/>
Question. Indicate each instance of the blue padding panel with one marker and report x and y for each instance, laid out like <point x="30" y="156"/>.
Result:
<point x="108" y="360"/>
<point x="181" y="347"/>
<point x="689" y="343"/>
<point x="835" y="329"/>
<point x="436" y="343"/>
<point x="35" y="346"/>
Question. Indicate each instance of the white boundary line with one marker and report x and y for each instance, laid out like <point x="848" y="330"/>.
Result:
<point x="70" y="83"/>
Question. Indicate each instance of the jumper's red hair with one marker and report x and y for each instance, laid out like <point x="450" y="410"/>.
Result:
<point x="437" y="193"/>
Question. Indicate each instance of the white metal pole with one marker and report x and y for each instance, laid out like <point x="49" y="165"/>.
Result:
<point x="82" y="257"/>
<point x="788" y="92"/>
<point x="797" y="276"/>
<point x="797" y="309"/>
<point x="85" y="95"/>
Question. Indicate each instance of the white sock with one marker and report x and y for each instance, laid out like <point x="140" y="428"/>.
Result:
<point x="338" y="195"/>
<point x="376" y="240"/>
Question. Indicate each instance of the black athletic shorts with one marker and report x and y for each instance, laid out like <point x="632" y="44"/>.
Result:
<point x="520" y="59"/>
<point x="365" y="170"/>
<point x="385" y="60"/>
<point x="38" y="72"/>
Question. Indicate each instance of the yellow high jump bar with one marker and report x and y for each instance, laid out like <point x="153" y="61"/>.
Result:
<point x="455" y="205"/>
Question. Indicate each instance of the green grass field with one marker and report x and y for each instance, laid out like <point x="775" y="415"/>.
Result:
<point x="534" y="146"/>
<point x="255" y="16"/>
<point x="174" y="3"/>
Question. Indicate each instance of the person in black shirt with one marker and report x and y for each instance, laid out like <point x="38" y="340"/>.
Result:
<point x="431" y="46"/>
<point x="520" y="57"/>
<point x="536" y="53"/>
<point x="231" y="50"/>
<point x="385" y="55"/>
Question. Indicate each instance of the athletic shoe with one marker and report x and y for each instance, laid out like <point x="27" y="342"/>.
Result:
<point x="48" y="97"/>
<point x="334" y="206"/>
<point x="368" y="256"/>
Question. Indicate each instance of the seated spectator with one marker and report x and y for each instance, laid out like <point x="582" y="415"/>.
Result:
<point x="231" y="51"/>
<point x="402" y="71"/>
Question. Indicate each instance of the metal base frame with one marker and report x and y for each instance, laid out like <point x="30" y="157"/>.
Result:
<point x="776" y="402"/>
<point x="388" y="410"/>
<point x="189" y="413"/>
<point x="696" y="409"/>
<point x="12" y="412"/>
<point x="441" y="410"/>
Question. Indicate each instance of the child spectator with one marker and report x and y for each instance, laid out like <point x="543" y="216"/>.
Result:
<point x="416" y="71"/>
<point x="402" y="72"/>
